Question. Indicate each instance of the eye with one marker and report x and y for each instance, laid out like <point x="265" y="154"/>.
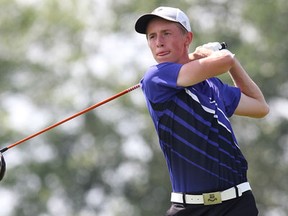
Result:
<point x="151" y="36"/>
<point x="166" y="33"/>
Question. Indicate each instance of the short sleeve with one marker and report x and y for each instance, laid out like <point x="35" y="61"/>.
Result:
<point x="160" y="82"/>
<point x="231" y="97"/>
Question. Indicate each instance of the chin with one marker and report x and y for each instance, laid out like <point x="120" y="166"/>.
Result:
<point x="163" y="59"/>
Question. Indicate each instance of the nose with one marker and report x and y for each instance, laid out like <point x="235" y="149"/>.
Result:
<point x="159" y="42"/>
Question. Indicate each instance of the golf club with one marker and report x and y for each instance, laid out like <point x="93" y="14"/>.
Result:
<point x="2" y="161"/>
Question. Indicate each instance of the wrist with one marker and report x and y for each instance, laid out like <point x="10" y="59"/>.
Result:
<point x="193" y="56"/>
<point x="228" y="52"/>
<point x="200" y="53"/>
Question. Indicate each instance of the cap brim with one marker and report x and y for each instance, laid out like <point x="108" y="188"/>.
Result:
<point x="143" y="21"/>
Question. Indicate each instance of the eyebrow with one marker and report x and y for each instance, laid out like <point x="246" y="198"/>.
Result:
<point x="162" y="31"/>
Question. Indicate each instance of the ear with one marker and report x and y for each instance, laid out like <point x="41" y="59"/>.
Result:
<point x="189" y="39"/>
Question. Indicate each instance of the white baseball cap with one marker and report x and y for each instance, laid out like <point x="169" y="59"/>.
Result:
<point x="167" y="13"/>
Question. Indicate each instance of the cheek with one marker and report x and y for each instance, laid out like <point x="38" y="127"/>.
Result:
<point x="152" y="47"/>
<point x="182" y="47"/>
<point x="178" y="47"/>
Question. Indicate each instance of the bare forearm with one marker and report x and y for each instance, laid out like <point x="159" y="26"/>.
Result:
<point x="201" y="69"/>
<point x="243" y="81"/>
<point x="252" y="101"/>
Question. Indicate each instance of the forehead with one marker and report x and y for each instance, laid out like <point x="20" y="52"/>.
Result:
<point x="159" y="24"/>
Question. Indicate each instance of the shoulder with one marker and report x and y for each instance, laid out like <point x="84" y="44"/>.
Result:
<point x="163" y="68"/>
<point x="160" y="81"/>
<point x="164" y="74"/>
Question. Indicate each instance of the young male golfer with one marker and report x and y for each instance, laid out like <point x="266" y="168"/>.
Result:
<point x="190" y="109"/>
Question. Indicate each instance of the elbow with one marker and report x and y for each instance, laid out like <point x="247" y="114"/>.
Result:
<point x="264" y="111"/>
<point x="229" y="57"/>
<point x="267" y="110"/>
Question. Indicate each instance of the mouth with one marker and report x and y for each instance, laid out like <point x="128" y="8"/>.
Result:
<point x="163" y="53"/>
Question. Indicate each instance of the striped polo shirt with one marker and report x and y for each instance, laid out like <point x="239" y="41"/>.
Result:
<point x="194" y="130"/>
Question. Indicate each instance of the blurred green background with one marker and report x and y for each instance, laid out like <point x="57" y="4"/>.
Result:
<point x="59" y="57"/>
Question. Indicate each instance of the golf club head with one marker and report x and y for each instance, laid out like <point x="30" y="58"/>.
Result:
<point x="2" y="167"/>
